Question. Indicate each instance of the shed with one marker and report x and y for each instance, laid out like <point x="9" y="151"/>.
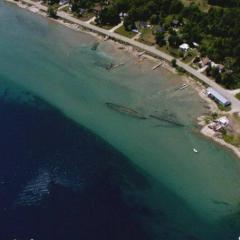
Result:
<point x="184" y="47"/>
<point x="217" y="97"/>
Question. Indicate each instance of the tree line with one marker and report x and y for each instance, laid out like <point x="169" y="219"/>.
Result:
<point x="217" y="31"/>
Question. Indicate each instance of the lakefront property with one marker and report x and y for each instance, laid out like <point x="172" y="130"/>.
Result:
<point x="172" y="35"/>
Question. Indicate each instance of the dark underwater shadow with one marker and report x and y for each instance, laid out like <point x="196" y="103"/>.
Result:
<point x="60" y="181"/>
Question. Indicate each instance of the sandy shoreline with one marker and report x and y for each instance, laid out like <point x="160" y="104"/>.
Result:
<point x="206" y="131"/>
<point x="196" y="85"/>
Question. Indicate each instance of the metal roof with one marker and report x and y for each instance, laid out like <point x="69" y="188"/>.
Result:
<point x="218" y="96"/>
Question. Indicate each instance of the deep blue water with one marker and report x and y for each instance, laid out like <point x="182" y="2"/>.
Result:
<point x="59" y="181"/>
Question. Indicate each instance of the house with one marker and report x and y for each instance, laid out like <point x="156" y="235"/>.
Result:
<point x="205" y="61"/>
<point x="218" y="97"/>
<point x="63" y="2"/>
<point x="143" y="24"/>
<point x="122" y="14"/>
<point x="175" y="23"/>
<point x="220" y="67"/>
<point x="97" y="9"/>
<point x="159" y="29"/>
<point x="224" y="121"/>
<point x="82" y="11"/>
<point x="218" y="124"/>
<point x="184" y="47"/>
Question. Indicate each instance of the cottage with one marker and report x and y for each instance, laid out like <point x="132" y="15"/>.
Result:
<point x="218" y="97"/>
<point x="184" y="47"/>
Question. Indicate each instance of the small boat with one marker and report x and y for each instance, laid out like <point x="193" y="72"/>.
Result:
<point x="195" y="150"/>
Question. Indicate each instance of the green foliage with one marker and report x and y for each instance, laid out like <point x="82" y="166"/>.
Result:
<point x="237" y="96"/>
<point x="224" y="108"/>
<point x="53" y="2"/>
<point x="154" y="19"/>
<point x="160" y="39"/>
<point x="225" y="3"/>
<point x="128" y="23"/>
<point x="108" y="16"/>
<point x="52" y="11"/>
<point x="174" y="63"/>
<point x="174" y="40"/>
<point x="125" y="33"/>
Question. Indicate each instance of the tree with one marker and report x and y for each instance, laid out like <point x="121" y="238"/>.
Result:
<point x="174" y="41"/>
<point x="174" y="63"/>
<point x="128" y="24"/>
<point x="154" y="19"/>
<point x="160" y="39"/>
<point x="52" y="2"/>
<point x="109" y="16"/>
<point x="52" y="11"/>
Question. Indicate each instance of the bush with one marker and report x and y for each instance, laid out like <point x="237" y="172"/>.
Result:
<point x="174" y="63"/>
<point x="52" y="11"/>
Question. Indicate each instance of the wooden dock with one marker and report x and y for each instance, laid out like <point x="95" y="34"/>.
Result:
<point x="156" y="66"/>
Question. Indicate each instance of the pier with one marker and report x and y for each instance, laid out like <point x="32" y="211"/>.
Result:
<point x="156" y="66"/>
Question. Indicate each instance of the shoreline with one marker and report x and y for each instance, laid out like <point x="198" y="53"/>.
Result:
<point x="207" y="132"/>
<point x="197" y="85"/>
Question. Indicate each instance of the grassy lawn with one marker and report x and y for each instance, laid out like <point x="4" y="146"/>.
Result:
<point x="169" y="50"/>
<point x="147" y="37"/>
<point x="232" y="139"/>
<point x="107" y="27"/>
<point x="223" y="108"/>
<point x="190" y="55"/>
<point x="238" y="96"/>
<point x="202" y="4"/>
<point x="66" y="9"/>
<point x="125" y="33"/>
<point x="86" y="16"/>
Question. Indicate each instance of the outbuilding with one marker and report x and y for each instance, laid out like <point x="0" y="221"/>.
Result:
<point x="184" y="47"/>
<point x="218" y="97"/>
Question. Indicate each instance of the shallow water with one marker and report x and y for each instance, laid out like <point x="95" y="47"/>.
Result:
<point x="189" y="195"/>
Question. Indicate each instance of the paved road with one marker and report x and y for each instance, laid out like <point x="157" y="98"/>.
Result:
<point x="149" y="49"/>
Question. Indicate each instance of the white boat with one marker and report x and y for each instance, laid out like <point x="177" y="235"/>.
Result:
<point x="195" y="150"/>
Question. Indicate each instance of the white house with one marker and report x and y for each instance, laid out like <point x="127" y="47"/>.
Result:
<point x="184" y="47"/>
<point x="223" y="121"/>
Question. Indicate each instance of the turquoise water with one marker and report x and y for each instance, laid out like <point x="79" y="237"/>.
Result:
<point x="198" y="193"/>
